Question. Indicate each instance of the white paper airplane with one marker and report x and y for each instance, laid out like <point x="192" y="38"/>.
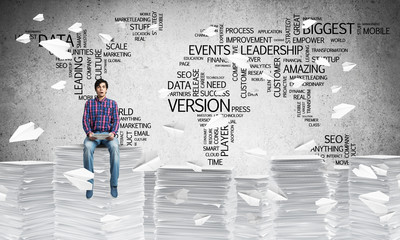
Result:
<point x="178" y="197"/>
<point x="76" y="28"/>
<point x="306" y="146"/>
<point x="274" y="193"/>
<point x="39" y="17"/>
<point x="194" y="166"/>
<point x="174" y="129"/>
<point x="200" y="219"/>
<point x="335" y="88"/>
<point x="210" y="31"/>
<point x="153" y="27"/>
<point x="364" y="171"/>
<point x="239" y="60"/>
<point x="151" y="165"/>
<point x="341" y="110"/>
<point x="307" y="23"/>
<point x="105" y="38"/>
<point x="253" y="199"/>
<point x="267" y="76"/>
<point x="376" y="196"/>
<point x="26" y="132"/>
<point x="163" y="93"/>
<point x="60" y="85"/>
<point x="3" y="193"/>
<point x="79" y="178"/>
<point x="297" y="82"/>
<point x="347" y="66"/>
<point x="256" y="152"/>
<point x="322" y="61"/>
<point x="217" y="121"/>
<point x="24" y="38"/>
<point x="211" y="204"/>
<point x="325" y="205"/>
<point x="380" y="169"/>
<point x="57" y="47"/>
<point x="375" y="201"/>
<point x="385" y="218"/>
<point x="121" y="24"/>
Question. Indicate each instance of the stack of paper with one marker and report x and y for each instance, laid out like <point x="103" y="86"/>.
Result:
<point x="375" y="197"/>
<point x="194" y="205"/>
<point x="149" y="184"/>
<point x="302" y="179"/>
<point x="253" y="220"/>
<point x="26" y="200"/>
<point x="338" y="219"/>
<point x="102" y="216"/>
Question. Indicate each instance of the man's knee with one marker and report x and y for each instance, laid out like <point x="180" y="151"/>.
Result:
<point x="89" y="146"/>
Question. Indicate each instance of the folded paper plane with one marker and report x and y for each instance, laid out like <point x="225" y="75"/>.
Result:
<point x="178" y="197"/>
<point x="151" y="165"/>
<point x="385" y="218"/>
<point x="60" y="85"/>
<point x="153" y="27"/>
<point x="325" y="205"/>
<point x="347" y="66"/>
<point x="57" y="47"/>
<point x="79" y="178"/>
<point x="341" y="110"/>
<point x="375" y="201"/>
<point x="76" y="28"/>
<point x="364" y="171"/>
<point x="335" y="88"/>
<point x="210" y="31"/>
<point x="194" y="166"/>
<point x="26" y="132"/>
<point x="217" y="121"/>
<point x="200" y="219"/>
<point x="252" y="198"/>
<point x="322" y="61"/>
<point x="39" y="17"/>
<point x="274" y="193"/>
<point x="24" y="38"/>
<point x="163" y="93"/>
<point x="308" y="23"/>
<point x="297" y="82"/>
<point x="380" y="169"/>
<point x="306" y="146"/>
<point x="267" y="76"/>
<point x="105" y="38"/>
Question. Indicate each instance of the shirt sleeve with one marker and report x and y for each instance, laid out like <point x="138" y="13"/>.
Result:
<point x="115" y="119"/>
<point x="86" y="119"/>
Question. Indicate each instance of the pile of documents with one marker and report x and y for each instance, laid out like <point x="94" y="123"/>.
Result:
<point x="26" y="200"/>
<point x="253" y="220"/>
<point x="375" y="197"/>
<point x="194" y="205"/>
<point x="102" y="216"/>
<point x="149" y="184"/>
<point x="338" y="219"/>
<point x="302" y="179"/>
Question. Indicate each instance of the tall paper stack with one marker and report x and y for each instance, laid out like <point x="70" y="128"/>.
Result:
<point x="194" y="205"/>
<point x="102" y="216"/>
<point x="375" y="197"/>
<point x="26" y="200"/>
<point x="302" y="178"/>
<point x="253" y="219"/>
<point x="149" y="184"/>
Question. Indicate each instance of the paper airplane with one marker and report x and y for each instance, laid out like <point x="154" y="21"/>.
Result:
<point x="24" y="38"/>
<point x="200" y="219"/>
<point x="341" y="110"/>
<point x="325" y="205"/>
<point x="239" y="60"/>
<point x="251" y="198"/>
<point x="297" y="82"/>
<point x="364" y="171"/>
<point x="211" y="204"/>
<point x="267" y="76"/>
<point x="377" y="196"/>
<point x="195" y="167"/>
<point x="380" y="169"/>
<point x="385" y="218"/>
<point x="178" y="197"/>
<point x="306" y="146"/>
<point x="60" y="85"/>
<point x="375" y="201"/>
<point x="79" y="178"/>
<point x="307" y="23"/>
<point x="274" y="193"/>
<point x="57" y="47"/>
<point x="151" y="165"/>
<point x="105" y="38"/>
<point x="335" y="88"/>
<point x="256" y="152"/>
<point x="210" y="31"/>
<point x="121" y="24"/>
<point x="217" y="121"/>
<point x="39" y="17"/>
<point x="26" y="132"/>
<point x="76" y="28"/>
<point x="3" y="193"/>
<point x="347" y="66"/>
<point x="174" y="129"/>
<point x="322" y="61"/>
<point x="153" y="27"/>
<point x="163" y="93"/>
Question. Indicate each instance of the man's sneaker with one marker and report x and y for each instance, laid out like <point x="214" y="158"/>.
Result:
<point x="114" y="191"/>
<point x="89" y="194"/>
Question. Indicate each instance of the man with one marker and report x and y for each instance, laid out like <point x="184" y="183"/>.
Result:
<point x="101" y="116"/>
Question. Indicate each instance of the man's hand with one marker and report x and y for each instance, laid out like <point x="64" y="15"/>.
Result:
<point x="110" y="137"/>
<point x="91" y="137"/>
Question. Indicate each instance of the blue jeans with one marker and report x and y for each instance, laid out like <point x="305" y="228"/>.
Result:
<point x="113" y="148"/>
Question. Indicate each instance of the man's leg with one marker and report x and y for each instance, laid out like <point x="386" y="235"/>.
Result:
<point x="88" y="150"/>
<point x="113" y="148"/>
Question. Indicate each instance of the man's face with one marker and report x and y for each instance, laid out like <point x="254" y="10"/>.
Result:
<point x="101" y="90"/>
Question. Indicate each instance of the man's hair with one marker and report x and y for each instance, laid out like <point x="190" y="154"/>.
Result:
<point x="97" y="83"/>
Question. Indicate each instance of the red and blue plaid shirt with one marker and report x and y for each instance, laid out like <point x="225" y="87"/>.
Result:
<point x="100" y="116"/>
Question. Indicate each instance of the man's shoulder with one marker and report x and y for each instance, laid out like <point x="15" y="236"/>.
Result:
<point x="90" y="101"/>
<point x="112" y="101"/>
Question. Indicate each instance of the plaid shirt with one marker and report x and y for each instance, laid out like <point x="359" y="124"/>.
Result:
<point x="100" y="116"/>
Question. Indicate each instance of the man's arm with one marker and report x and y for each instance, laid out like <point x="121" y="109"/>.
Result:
<point x="115" y="120"/>
<point x="86" y="119"/>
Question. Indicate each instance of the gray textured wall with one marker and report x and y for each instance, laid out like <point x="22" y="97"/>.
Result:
<point x="27" y="72"/>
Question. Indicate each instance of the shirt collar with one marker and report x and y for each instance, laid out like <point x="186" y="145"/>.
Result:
<point x="104" y="99"/>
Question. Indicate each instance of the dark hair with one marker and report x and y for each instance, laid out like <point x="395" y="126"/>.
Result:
<point x="97" y="83"/>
